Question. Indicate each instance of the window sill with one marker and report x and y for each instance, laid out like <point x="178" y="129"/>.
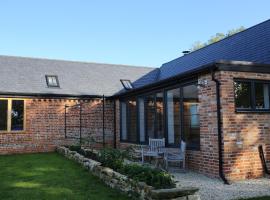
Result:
<point x="251" y="111"/>
<point x="193" y="149"/>
<point x="13" y="132"/>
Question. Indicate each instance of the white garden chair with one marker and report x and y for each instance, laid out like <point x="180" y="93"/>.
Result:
<point x="155" y="149"/>
<point x="179" y="156"/>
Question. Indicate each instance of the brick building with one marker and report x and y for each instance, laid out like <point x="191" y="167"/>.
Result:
<point x="216" y="99"/>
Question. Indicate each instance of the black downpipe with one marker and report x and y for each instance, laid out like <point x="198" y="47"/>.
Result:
<point x="266" y="170"/>
<point x="220" y="151"/>
<point x="114" y="124"/>
<point x="103" y="120"/>
<point x="80" y="106"/>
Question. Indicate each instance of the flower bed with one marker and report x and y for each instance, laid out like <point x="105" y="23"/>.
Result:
<point x="130" y="183"/>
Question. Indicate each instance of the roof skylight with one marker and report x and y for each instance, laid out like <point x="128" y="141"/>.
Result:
<point x="52" y="81"/>
<point x="127" y="84"/>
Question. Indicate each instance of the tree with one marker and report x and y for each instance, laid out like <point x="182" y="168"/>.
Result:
<point x="217" y="37"/>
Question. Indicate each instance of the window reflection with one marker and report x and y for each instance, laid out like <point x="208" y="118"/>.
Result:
<point x="150" y="116"/>
<point x="17" y="115"/>
<point x="173" y="116"/>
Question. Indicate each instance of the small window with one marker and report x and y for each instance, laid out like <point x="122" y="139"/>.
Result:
<point x="12" y="115"/>
<point x="3" y="115"/>
<point x="127" y="84"/>
<point x="17" y="115"/>
<point x="261" y="96"/>
<point x="191" y="117"/>
<point x="242" y="91"/>
<point x="52" y="81"/>
<point x="251" y="95"/>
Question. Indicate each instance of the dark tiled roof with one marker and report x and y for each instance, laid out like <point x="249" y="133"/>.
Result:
<point x="27" y="75"/>
<point x="251" y="45"/>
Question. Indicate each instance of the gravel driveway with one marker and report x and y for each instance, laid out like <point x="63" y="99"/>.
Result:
<point x="214" y="189"/>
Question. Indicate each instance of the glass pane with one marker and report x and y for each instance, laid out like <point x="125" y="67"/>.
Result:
<point x="3" y="114"/>
<point x="191" y="124"/>
<point x="52" y="80"/>
<point x="159" y="115"/>
<point x="141" y="120"/>
<point x="17" y="115"/>
<point x="123" y="121"/>
<point x="173" y="116"/>
<point x="242" y="92"/>
<point x="190" y="92"/>
<point x="150" y="112"/>
<point x="132" y="120"/>
<point x="191" y="121"/>
<point x="262" y="96"/>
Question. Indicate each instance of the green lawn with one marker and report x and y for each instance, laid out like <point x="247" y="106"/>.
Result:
<point x="259" y="198"/>
<point x="49" y="176"/>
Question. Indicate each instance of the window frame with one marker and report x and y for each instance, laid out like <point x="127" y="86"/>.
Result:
<point x="52" y="86"/>
<point x="127" y="122"/>
<point x="125" y="86"/>
<point x="253" y="108"/>
<point x="9" y="116"/>
<point x="165" y="127"/>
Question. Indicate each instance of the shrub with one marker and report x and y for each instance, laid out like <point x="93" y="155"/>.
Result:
<point x="112" y="158"/>
<point x="154" y="177"/>
<point x="75" y="148"/>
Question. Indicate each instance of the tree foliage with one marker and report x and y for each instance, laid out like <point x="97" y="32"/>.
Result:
<point x="215" y="38"/>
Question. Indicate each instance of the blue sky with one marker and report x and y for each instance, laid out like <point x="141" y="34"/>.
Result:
<point x="138" y="32"/>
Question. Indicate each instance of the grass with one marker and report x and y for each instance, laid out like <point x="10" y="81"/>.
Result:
<point x="258" y="198"/>
<point x="49" y="176"/>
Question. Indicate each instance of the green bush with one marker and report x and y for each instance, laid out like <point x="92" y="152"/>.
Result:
<point x="154" y="177"/>
<point x="75" y="148"/>
<point x="114" y="158"/>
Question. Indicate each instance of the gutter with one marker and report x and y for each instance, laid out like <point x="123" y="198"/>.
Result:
<point x="50" y="95"/>
<point x="114" y="124"/>
<point x="219" y="125"/>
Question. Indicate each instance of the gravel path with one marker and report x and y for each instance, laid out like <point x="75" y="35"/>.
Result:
<point x="214" y="189"/>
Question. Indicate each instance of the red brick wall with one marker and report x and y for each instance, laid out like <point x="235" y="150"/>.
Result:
<point x="243" y="132"/>
<point x="45" y="125"/>
<point x="206" y="159"/>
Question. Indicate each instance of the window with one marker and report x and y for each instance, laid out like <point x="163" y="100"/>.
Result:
<point x="141" y="120"/>
<point x="155" y="115"/>
<point x="159" y="116"/>
<point x="150" y="115"/>
<point x="173" y="116"/>
<point x="242" y="92"/>
<point x="126" y="84"/>
<point x="12" y="115"/>
<point x="132" y="120"/>
<point x="261" y="96"/>
<point x="52" y="81"/>
<point x="3" y="114"/>
<point x="129" y="121"/>
<point x="123" y="121"/>
<point x="251" y="95"/>
<point x="17" y="115"/>
<point x="191" y="121"/>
